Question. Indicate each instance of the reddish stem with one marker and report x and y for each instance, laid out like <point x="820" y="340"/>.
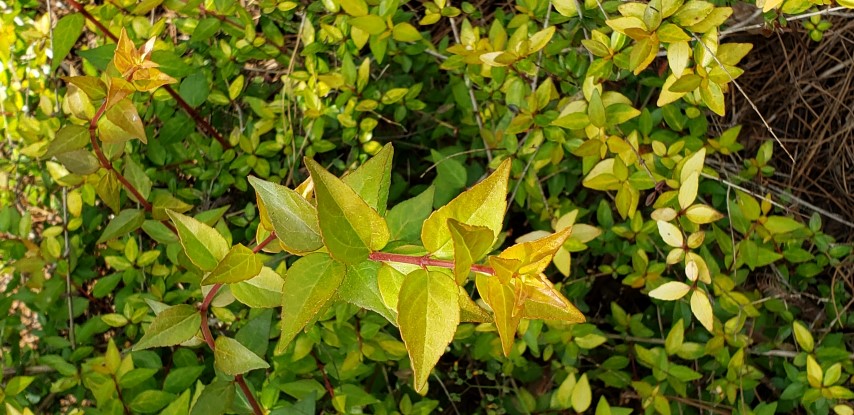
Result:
<point x="206" y="329"/>
<point x="425" y="261"/>
<point x="264" y="243"/>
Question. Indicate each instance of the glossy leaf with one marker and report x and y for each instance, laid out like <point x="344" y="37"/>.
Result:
<point x="471" y="244"/>
<point x="172" y="326"/>
<point x="371" y="180"/>
<point x="482" y="205"/>
<point x="361" y="288"/>
<point x="350" y="228"/>
<point x="203" y="245"/>
<point x="428" y="314"/>
<point x="292" y="217"/>
<point x="309" y="285"/>
<point x="261" y="291"/>
<point x="239" y="264"/>
<point x="702" y="309"/>
<point x="232" y="358"/>
<point x="502" y="301"/>
<point x="126" y="221"/>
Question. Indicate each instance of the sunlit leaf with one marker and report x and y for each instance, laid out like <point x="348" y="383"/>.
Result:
<point x="482" y="205"/>
<point x="428" y="314"/>
<point x="309" y="285"/>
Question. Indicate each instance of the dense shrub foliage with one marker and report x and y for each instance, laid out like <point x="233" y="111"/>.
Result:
<point x="404" y="207"/>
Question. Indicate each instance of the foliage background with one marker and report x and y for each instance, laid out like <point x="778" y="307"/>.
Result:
<point x="263" y="85"/>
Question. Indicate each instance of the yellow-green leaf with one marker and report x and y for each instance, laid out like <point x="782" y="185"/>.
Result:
<point x="596" y="110"/>
<point x="471" y="244"/>
<point x="482" y="205"/>
<point x="262" y="291"/>
<point x="803" y="336"/>
<point x="702" y="214"/>
<point x="355" y="7"/>
<point x="69" y="138"/>
<point x="350" y="228"/>
<point x="236" y="87"/>
<point x="702" y="309"/>
<point x="171" y="326"/>
<point x="540" y="39"/>
<point x="688" y="190"/>
<point x="309" y="285"/>
<point x="677" y="57"/>
<point x="203" y="245"/>
<point x="371" y="180"/>
<point x="814" y="372"/>
<point x="291" y="216"/>
<point x="567" y="8"/>
<point x="239" y="264"/>
<point x="670" y="291"/>
<point x="581" y="395"/>
<point x="428" y="314"/>
<point x="405" y="32"/>
<point x="535" y="256"/>
<point x="233" y="358"/>
<point x="369" y="23"/>
<point x="713" y="97"/>
<point x="541" y="311"/>
<point x="502" y="300"/>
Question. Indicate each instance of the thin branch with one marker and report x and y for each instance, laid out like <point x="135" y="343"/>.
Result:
<point x="474" y="104"/>
<point x="744" y="94"/>
<point x="425" y="261"/>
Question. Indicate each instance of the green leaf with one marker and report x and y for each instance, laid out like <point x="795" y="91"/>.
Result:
<point x="428" y="314"/>
<point x="232" y="358"/>
<point x="781" y="224"/>
<point x="596" y="110"/>
<point x="262" y="291"/>
<point x="482" y="205"/>
<point x="360" y="287"/>
<point x="172" y="326"/>
<point x="150" y="401"/>
<point x="369" y="23"/>
<point x="239" y="264"/>
<point x="292" y="217"/>
<point x="65" y="35"/>
<point x="17" y="384"/>
<point x="69" y="138"/>
<point x="405" y="219"/>
<point x="350" y="228"/>
<point x="205" y="29"/>
<point x="405" y="32"/>
<point x="471" y="244"/>
<point x="181" y="378"/>
<point x="215" y="399"/>
<point x="371" y="180"/>
<point x="203" y="245"/>
<point x="126" y="221"/>
<point x="502" y="300"/>
<point x="180" y="406"/>
<point x="675" y="338"/>
<point x="195" y="89"/>
<point x="470" y="312"/>
<point x="309" y="285"/>
<point x="389" y="281"/>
